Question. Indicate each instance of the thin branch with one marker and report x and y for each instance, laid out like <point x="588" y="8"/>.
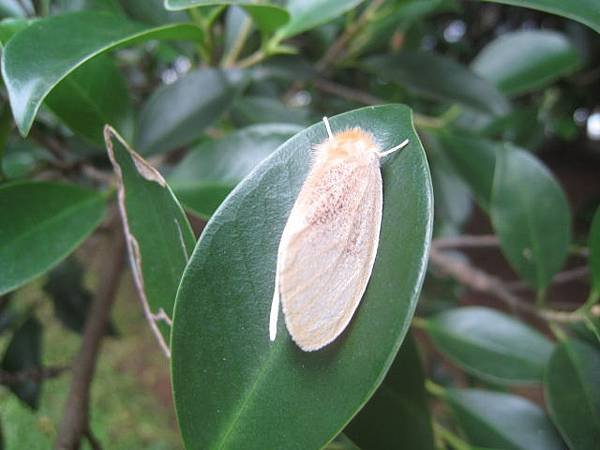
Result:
<point x="566" y="276"/>
<point x="33" y="374"/>
<point x="75" y="422"/>
<point x="467" y="241"/>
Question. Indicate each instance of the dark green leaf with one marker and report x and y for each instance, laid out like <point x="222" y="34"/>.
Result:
<point x="502" y="421"/>
<point x="573" y="393"/>
<point x="491" y="345"/>
<point x="584" y="11"/>
<point x="267" y="16"/>
<point x="523" y="61"/>
<point x="594" y="261"/>
<point x="152" y="12"/>
<point x="76" y="38"/>
<point x="90" y="97"/>
<point x="252" y="110"/>
<point x="25" y="352"/>
<point x="178" y="113"/>
<point x="210" y="171"/>
<point x="307" y="14"/>
<point x="530" y="215"/>
<point x="474" y="159"/>
<point x="397" y="416"/>
<point x="440" y="78"/>
<point x="248" y="392"/>
<point x="158" y="233"/>
<point x="71" y="299"/>
<point x="47" y="221"/>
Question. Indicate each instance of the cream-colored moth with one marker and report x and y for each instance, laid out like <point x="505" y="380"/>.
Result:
<point x="329" y="243"/>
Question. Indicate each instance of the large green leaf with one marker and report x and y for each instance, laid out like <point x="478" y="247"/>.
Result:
<point x="158" y="234"/>
<point x="210" y="171"/>
<point x="522" y="61"/>
<point x="248" y="392"/>
<point x="307" y="14"/>
<point x="397" y="416"/>
<point x="40" y="224"/>
<point x="24" y="352"/>
<point x="530" y="215"/>
<point x="178" y="113"/>
<point x="268" y="16"/>
<point x="90" y="97"/>
<point x="491" y="345"/>
<point x="502" y="421"/>
<point x="573" y="393"/>
<point x="440" y="78"/>
<point x="594" y="261"/>
<point x="59" y="45"/>
<point x="584" y="11"/>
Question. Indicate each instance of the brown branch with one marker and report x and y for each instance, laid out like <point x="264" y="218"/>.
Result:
<point x="75" y="422"/>
<point x="33" y="374"/>
<point x="346" y="93"/>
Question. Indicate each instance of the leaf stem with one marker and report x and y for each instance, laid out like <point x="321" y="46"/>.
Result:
<point x="232" y="55"/>
<point x="448" y="436"/>
<point x="434" y="389"/>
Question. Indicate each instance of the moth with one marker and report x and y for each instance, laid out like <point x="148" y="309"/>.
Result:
<point x="329" y="243"/>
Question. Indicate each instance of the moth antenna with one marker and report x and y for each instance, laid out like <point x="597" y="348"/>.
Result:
<point x="326" y="120"/>
<point x="394" y="149"/>
<point x="274" y="311"/>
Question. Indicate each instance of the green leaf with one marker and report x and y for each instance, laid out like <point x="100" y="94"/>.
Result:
<point x="267" y="16"/>
<point x="594" y="261"/>
<point x="530" y="215"/>
<point x="76" y="38"/>
<point x="152" y="12"/>
<point x="111" y="6"/>
<point x="573" y="394"/>
<point x="584" y="11"/>
<point x="210" y="171"/>
<point x="502" y="421"/>
<point x="158" y="234"/>
<point x="437" y="77"/>
<point x="248" y="392"/>
<point x="253" y="109"/>
<point x="178" y="113"/>
<point x="24" y="352"/>
<point x="307" y="14"/>
<point x="41" y="223"/>
<point x="474" y="159"/>
<point x="491" y="345"/>
<point x="397" y="416"/>
<point x="10" y="26"/>
<point x="523" y="61"/>
<point x="90" y="97"/>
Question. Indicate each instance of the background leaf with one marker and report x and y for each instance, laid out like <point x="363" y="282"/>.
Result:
<point x="491" y="345"/>
<point x="250" y="391"/>
<point x="159" y="236"/>
<point x="594" y="261"/>
<point x="530" y="215"/>
<point x="523" y="61"/>
<point x="47" y="221"/>
<point x="397" y="416"/>
<point x="76" y="38"/>
<point x="573" y="394"/>
<point x="178" y="113"/>
<point x="211" y="170"/>
<point x="503" y="421"/>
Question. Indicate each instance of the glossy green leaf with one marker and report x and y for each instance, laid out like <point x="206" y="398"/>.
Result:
<point x="159" y="236"/>
<point x="90" y="97"/>
<point x="40" y="224"/>
<point x="76" y="38"/>
<point x="491" y="345"/>
<point x="24" y="352"/>
<point x="474" y="159"/>
<point x="248" y="392"/>
<point x="210" y="171"/>
<point x="178" y="113"/>
<point x="10" y="26"/>
<point x="268" y="16"/>
<point x="502" y="421"/>
<point x="530" y="215"/>
<point x="437" y="77"/>
<point x="523" y="61"/>
<point x="397" y="416"/>
<point x="584" y="11"/>
<point x="307" y="14"/>
<point x="573" y="393"/>
<point x="594" y="260"/>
